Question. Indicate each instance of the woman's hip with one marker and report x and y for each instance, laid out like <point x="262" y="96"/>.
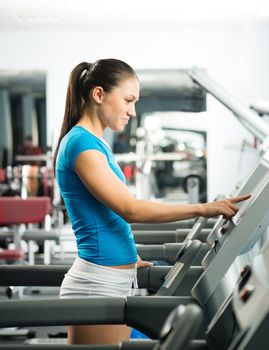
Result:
<point x="85" y="279"/>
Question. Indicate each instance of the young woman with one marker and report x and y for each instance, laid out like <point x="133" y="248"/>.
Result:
<point x="103" y="95"/>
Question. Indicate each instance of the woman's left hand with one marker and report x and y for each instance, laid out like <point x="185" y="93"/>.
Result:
<point x="141" y="263"/>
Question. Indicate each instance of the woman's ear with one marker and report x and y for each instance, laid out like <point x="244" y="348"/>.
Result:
<point x="98" y="94"/>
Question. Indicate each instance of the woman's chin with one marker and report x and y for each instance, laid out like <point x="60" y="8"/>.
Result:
<point x="120" y="128"/>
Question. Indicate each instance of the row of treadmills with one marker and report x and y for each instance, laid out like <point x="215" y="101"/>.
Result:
<point x="215" y="296"/>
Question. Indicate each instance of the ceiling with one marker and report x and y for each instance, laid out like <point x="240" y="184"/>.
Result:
<point x="109" y="15"/>
<point x="34" y="15"/>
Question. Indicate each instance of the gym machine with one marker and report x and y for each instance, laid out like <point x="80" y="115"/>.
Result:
<point x="227" y="246"/>
<point x="169" y="251"/>
<point x="231" y="240"/>
<point x="175" y="324"/>
<point x="249" y="120"/>
<point x="243" y="318"/>
<point x="250" y="304"/>
<point x="240" y="236"/>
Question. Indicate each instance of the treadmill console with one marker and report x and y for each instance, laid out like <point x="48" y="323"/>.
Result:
<point x="247" y="187"/>
<point x="250" y="302"/>
<point x="235" y="238"/>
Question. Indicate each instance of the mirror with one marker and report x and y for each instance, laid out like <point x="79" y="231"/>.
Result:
<point x="22" y="113"/>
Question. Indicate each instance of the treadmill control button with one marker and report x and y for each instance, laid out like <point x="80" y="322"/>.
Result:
<point x="224" y="228"/>
<point x="246" y="293"/>
<point x="245" y="271"/>
<point x="245" y="275"/>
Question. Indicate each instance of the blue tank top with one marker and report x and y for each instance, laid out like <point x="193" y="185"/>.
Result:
<point x="102" y="236"/>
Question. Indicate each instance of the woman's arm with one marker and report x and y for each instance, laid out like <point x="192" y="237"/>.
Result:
<point x="92" y="168"/>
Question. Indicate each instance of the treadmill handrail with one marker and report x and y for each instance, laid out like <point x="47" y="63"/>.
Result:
<point x="248" y="118"/>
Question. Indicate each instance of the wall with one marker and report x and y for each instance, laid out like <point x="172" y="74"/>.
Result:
<point x="234" y="57"/>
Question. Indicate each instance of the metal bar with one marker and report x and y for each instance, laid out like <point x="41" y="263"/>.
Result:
<point x="94" y="310"/>
<point x="50" y="312"/>
<point x="37" y="275"/>
<point x="249" y="119"/>
<point x="52" y="275"/>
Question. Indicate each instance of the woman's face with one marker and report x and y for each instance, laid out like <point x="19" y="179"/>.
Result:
<point x="118" y="105"/>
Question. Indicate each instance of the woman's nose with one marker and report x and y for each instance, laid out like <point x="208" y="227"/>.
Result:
<point x="132" y="112"/>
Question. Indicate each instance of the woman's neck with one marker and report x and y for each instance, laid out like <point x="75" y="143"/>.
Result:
<point x="92" y="124"/>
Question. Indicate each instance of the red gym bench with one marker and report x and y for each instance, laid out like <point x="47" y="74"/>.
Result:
<point x="15" y="211"/>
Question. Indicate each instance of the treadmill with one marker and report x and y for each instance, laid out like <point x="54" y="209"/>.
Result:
<point x="234" y="238"/>
<point x="250" y="301"/>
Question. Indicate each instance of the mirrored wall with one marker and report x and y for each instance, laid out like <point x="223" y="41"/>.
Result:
<point x="22" y="114"/>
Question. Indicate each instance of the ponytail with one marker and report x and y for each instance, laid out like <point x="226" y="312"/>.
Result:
<point x="75" y="101"/>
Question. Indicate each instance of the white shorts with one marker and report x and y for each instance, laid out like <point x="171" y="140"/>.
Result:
<point x="85" y="279"/>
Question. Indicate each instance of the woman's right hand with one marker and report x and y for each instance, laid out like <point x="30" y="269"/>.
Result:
<point x="225" y="207"/>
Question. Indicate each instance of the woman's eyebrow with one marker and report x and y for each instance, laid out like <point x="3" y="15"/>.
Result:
<point x="134" y="97"/>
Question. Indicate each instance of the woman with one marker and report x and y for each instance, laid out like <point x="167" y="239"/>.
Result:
<point x="100" y="95"/>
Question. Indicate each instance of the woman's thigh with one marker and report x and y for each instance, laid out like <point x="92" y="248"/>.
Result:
<point x="101" y="334"/>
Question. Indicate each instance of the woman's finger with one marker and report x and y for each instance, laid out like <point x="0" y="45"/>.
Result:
<point x="239" y="198"/>
<point x="142" y="263"/>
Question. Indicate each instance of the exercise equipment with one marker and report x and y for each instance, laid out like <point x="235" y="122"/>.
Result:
<point x="171" y="236"/>
<point x="49" y="312"/>
<point x="230" y="240"/>
<point x="16" y="211"/>
<point x="250" y="305"/>
<point x="171" y="252"/>
<point x="236" y="237"/>
<point x="242" y="319"/>
<point x="184" y="224"/>
<point x="258" y="127"/>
